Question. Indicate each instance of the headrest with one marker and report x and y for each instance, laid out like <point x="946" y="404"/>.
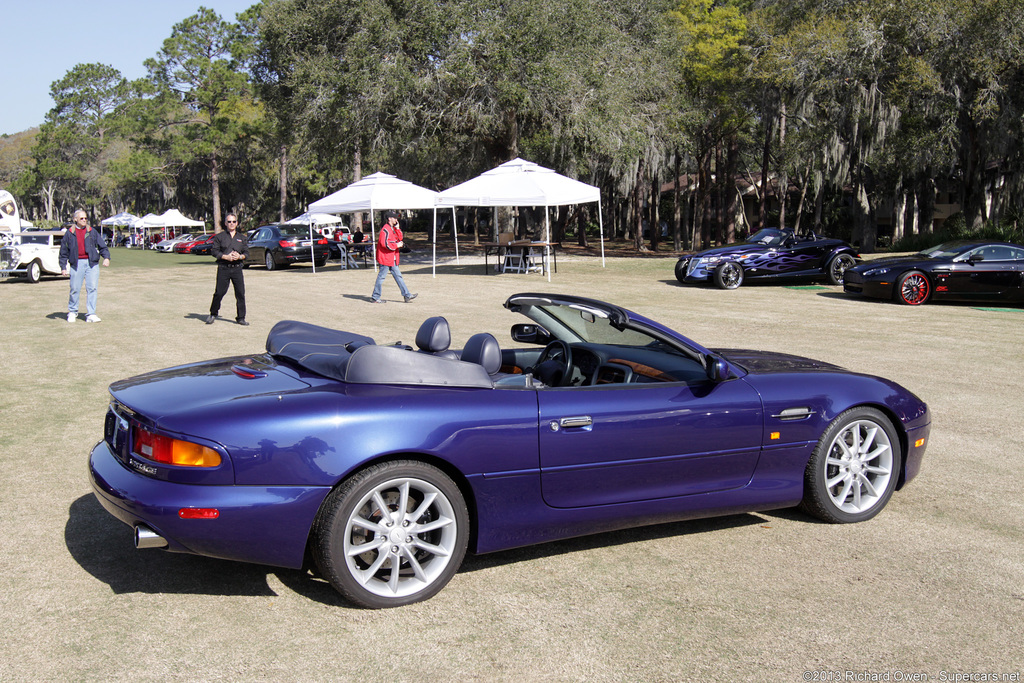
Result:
<point x="483" y="349"/>
<point x="434" y="335"/>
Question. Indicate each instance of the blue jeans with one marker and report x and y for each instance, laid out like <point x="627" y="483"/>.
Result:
<point x="396" y="273"/>
<point x="91" y="276"/>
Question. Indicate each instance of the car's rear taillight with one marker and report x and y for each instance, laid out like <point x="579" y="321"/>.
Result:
<point x="286" y="243"/>
<point x="171" y="451"/>
<point x="322" y="241"/>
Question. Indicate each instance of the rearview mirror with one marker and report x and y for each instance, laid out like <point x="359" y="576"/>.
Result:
<point x="527" y="333"/>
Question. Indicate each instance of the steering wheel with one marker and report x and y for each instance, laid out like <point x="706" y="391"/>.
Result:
<point x="554" y="366"/>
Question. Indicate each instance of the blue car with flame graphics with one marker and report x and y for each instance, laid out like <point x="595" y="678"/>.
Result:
<point x="770" y="254"/>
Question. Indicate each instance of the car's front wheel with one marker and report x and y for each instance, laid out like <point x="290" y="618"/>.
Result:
<point x="729" y="275"/>
<point x="853" y="470"/>
<point x="681" y="270"/>
<point x="837" y="268"/>
<point x="393" y="534"/>
<point x="913" y="288"/>
<point x="34" y="272"/>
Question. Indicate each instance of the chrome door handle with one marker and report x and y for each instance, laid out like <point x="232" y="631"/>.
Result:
<point x="575" y="422"/>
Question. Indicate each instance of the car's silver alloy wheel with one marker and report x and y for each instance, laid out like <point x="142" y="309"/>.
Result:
<point x="853" y="470"/>
<point x="837" y="268"/>
<point x="392" y="534"/>
<point x="859" y="466"/>
<point x="728" y="275"/>
<point x="400" y="537"/>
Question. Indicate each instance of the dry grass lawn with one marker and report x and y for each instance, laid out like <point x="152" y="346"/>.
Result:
<point x="934" y="585"/>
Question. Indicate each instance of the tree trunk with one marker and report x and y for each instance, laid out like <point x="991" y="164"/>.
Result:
<point x="655" y="217"/>
<point x="732" y="160"/>
<point x="926" y="213"/>
<point x="899" y="215"/>
<point x="357" y="175"/>
<point x="677" y="206"/>
<point x="762" y="211"/>
<point x="283" y="179"/>
<point x="215" y="188"/>
<point x="638" y="214"/>
<point x="783" y="191"/>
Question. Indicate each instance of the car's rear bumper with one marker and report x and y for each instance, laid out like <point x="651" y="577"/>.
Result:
<point x="265" y="525"/>
<point x="302" y="254"/>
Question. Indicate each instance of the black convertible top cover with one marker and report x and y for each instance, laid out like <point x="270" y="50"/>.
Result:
<point x="317" y="349"/>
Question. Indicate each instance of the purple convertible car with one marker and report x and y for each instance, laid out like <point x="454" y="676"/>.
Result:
<point x="381" y="465"/>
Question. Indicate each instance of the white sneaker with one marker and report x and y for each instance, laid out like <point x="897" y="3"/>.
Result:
<point x="92" y="318"/>
<point x="72" y="317"/>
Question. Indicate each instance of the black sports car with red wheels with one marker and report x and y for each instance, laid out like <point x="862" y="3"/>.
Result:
<point x="964" y="270"/>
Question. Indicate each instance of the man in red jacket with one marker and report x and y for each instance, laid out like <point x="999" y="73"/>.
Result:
<point x="389" y="242"/>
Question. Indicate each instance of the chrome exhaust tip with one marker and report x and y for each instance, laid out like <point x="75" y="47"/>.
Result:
<point x="147" y="538"/>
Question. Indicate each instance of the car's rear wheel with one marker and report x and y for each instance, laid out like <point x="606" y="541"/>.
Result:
<point x="321" y="263"/>
<point x="837" y="268"/>
<point x="393" y="534"/>
<point x="853" y="470"/>
<point x="681" y="270"/>
<point x="913" y="288"/>
<point x="34" y="272"/>
<point x="268" y="258"/>
<point x="729" y="275"/>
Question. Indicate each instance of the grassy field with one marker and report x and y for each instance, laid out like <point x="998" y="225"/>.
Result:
<point x="934" y="584"/>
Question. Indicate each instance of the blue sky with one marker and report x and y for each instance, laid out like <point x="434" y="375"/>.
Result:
<point x="43" y="39"/>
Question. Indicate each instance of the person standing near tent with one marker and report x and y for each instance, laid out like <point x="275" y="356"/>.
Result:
<point x="230" y="249"/>
<point x="80" y="250"/>
<point x="389" y="243"/>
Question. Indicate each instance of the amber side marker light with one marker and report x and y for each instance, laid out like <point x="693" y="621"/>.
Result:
<point x="164" y="449"/>
<point x="918" y="443"/>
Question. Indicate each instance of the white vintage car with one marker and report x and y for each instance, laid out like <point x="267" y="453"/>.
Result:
<point x="30" y="254"/>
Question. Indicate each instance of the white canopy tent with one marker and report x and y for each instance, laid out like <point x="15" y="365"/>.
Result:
<point x="378" y="192"/>
<point x="524" y="183"/>
<point x="310" y="218"/>
<point x="120" y="219"/>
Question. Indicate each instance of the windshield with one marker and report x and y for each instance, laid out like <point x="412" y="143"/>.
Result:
<point x="768" y="236"/>
<point x="582" y="323"/>
<point x="947" y="250"/>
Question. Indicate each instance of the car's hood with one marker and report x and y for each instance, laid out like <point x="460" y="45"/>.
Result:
<point x="763" y="362"/>
<point x="196" y="388"/>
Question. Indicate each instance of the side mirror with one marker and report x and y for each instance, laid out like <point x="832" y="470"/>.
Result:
<point x="717" y="369"/>
<point x="975" y="258"/>
<point x="528" y="333"/>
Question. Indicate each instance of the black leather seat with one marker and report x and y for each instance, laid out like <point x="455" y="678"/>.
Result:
<point x="434" y="337"/>
<point x="483" y="349"/>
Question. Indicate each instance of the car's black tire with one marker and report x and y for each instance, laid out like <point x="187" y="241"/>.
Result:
<point x="837" y="267"/>
<point x="268" y="259"/>
<point x="728" y="275"/>
<point x="34" y="272"/>
<point x="321" y="264"/>
<point x="853" y="470"/>
<point x="913" y="288"/>
<point x="681" y="265"/>
<point x="429" y="540"/>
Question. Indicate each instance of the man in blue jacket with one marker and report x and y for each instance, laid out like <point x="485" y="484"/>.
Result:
<point x="80" y="252"/>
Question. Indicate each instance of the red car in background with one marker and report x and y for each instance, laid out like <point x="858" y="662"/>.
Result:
<point x="188" y="246"/>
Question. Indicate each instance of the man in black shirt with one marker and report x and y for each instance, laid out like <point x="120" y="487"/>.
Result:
<point x="230" y="249"/>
